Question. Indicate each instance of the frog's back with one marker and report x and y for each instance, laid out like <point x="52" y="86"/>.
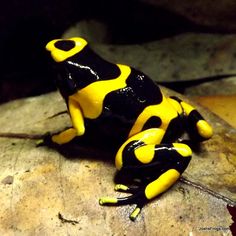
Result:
<point x="130" y="101"/>
<point x="122" y="107"/>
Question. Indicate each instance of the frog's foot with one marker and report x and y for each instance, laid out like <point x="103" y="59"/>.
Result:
<point x="140" y="195"/>
<point x="54" y="140"/>
<point x="137" y="198"/>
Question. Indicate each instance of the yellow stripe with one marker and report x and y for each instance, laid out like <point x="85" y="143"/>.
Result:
<point x="91" y="98"/>
<point x="187" y="108"/>
<point x="165" y="111"/>
<point x="76" y="116"/>
<point x="175" y="104"/>
<point x="149" y="136"/>
<point x="183" y="149"/>
<point x="61" y="55"/>
<point x="160" y="185"/>
<point x="145" y="153"/>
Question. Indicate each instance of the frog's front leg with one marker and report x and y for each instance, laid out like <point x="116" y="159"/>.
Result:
<point x="158" y="165"/>
<point x="68" y="134"/>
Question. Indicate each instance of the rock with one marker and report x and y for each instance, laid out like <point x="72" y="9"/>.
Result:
<point x="221" y="105"/>
<point x="217" y="15"/>
<point x="58" y="194"/>
<point x="8" y="180"/>
<point x="226" y="87"/>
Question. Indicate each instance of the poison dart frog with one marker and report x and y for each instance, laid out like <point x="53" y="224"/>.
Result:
<point x="123" y="105"/>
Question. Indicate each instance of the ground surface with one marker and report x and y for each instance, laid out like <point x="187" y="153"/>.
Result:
<point x="43" y="192"/>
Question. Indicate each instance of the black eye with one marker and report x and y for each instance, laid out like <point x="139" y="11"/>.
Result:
<point x="65" y="45"/>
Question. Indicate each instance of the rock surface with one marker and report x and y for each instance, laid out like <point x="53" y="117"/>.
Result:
<point x="221" y="105"/>
<point x="218" y="15"/>
<point x="43" y="192"/>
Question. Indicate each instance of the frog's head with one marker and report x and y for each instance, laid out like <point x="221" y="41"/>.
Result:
<point x="73" y="62"/>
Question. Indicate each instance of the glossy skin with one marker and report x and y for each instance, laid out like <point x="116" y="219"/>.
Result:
<point x="126" y="106"/>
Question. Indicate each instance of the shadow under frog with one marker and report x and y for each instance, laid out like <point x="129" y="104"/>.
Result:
<point x="121" y="109"/>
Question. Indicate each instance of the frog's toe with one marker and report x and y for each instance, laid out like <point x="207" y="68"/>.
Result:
<point x="135" y="213"/>
<point x="125" y="188"/>
<point x="108" y="201"/>
<point x="124" y="201"/>
<point x="116" y="201"/>
<point x="137" y="198"/>
<point x="121" y="188"/>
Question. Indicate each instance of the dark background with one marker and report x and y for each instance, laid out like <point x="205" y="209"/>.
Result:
<point x="26" y="27"/>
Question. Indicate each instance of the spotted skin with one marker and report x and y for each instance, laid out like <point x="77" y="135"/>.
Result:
<point x="115" y="102"/>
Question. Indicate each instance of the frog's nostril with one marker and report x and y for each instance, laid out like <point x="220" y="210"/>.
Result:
<point x="65" y="45"/>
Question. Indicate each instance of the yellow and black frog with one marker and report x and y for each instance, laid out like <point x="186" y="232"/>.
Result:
<point x="124" y="105"/>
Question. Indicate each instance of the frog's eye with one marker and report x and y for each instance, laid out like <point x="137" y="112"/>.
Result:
<point x="65" y="45"/>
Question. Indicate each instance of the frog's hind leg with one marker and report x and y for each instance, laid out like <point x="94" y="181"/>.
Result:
<point x="159" y="165"/>
<point x="197" y="127"/>
<point x="163" y="168"/>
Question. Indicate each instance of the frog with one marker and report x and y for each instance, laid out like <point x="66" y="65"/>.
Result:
<point x="118" y="103"/>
